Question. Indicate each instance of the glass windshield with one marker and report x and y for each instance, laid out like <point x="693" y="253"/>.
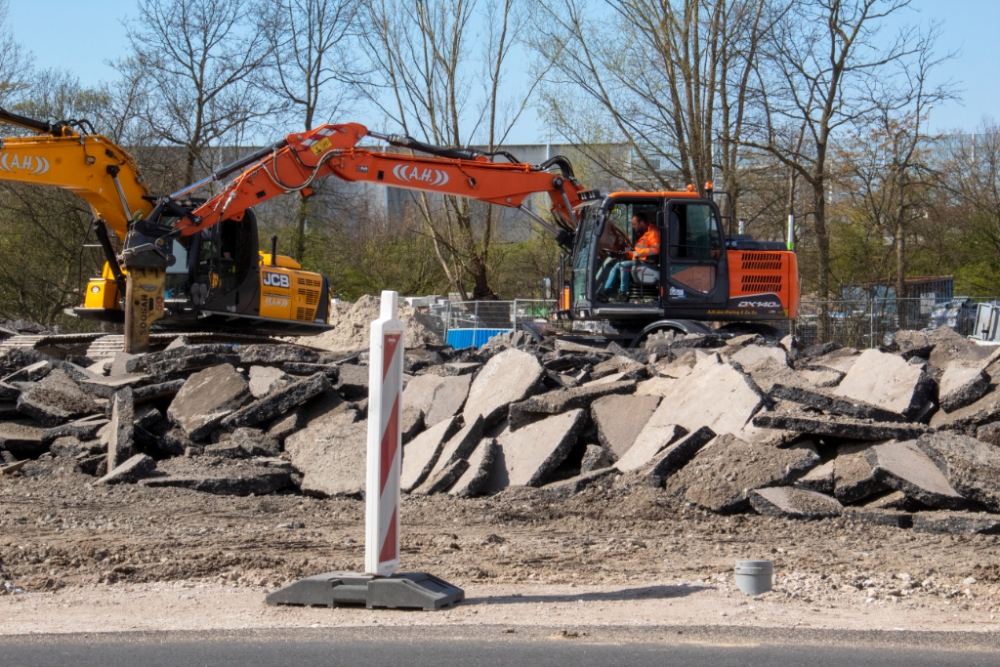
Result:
<point x="585" y="244"/>
<point x="695" y="232"/>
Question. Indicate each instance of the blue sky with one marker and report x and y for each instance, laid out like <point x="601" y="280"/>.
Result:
<point x="82" y="35"/>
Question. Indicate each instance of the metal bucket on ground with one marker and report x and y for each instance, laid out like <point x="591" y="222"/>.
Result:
<point x="753" y="577"/>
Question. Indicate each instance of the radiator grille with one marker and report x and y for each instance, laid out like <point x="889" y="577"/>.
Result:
<point x="755" y="284"/>
<point x="305" y="314"/>
<point x="309" y="290"/>
<point x="761" y="261"/>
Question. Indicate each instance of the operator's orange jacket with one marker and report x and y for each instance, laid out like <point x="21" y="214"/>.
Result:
<point x="647" y="246"/>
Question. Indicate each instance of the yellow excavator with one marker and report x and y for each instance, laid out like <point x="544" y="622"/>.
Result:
<point x="213" y="281"/>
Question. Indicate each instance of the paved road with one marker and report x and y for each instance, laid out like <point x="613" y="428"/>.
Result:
<point x="486" y="647"/>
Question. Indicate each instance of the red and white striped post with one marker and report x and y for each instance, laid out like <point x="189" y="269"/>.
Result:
<point x="385" y="408"/>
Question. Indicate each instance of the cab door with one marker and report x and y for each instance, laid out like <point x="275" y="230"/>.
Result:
<point x="694" y="264"/>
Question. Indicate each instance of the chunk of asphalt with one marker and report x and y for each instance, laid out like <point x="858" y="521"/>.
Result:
<point x="155" y="392"/>
<point x="265" y="379"/>
<point x="481" y="462"/>
<point x="675" y="456"/>
<point x="792" y="503"/>
<point x="562" y="400"/>
<point x="141" y="363"/>
<point x="226" y="450"/>
<point x="352" y="381"/>
<point x="131" y="471"/>
<point x="819" y="479"/>
<point x="971" y="467"/>
<point x="206" y="398"/>
<point x="282" y="427"/>
<point x="721" y="474"/>
<point x="300" y="368"/>
<point x="268" y="353"/>
<point x="68" y="447"/>
<point x="878" y="517"/>
<point x="903" y="466"/>
<point x="822" y="377"/>
<point x="887" y="381"/>
<point x="8" y="392"/>
<point x="616" y="365"/>
<point x="81" y="429"/>
<point x="121" y="430"/>
<point x="16" y="358"/>
<point x="55" y="400"/>
<point x="752" y="354"/>
<point x="411" y="422"/>
<point x="528" y="456"/>
<point x="445" y="478"/>
<point x="989" y="433"/>
<point x="220" y="477"/>
<point x="278" y="403"/>
<point x="837" y="426"/>
<point x="854" y="477"/>
<point x="961" y="386"/>
<point x="621" y="418"/>
<point x="105" y="387"/>
<point x="422" y="453"/>
<point x="595" y="457"/>
<point x="458" y="447"/>
<point x="448" y="398"/>
<point x="644" y="450"/>
<point x="834" y="404"/>
<point x="189" y="362"/>
<point x="22" y="440"/>
<point x="574" y="485"/>
<point x="34" y="372"/>
<point x="256" y="442"/>
<point x="956" y="523"/>
<point x="331" y="453"/>
<point x="972" y="416"/>
<point x="840" y="359"/>
<point x="508" y="377"/>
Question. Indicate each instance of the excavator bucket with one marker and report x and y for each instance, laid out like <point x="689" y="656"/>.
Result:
<point x="143" y="306"/>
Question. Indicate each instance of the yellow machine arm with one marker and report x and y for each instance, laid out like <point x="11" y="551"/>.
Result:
<point x="90" y="165"/>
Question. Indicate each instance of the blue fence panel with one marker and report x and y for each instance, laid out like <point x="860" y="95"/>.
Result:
<point x="463" y="338"/>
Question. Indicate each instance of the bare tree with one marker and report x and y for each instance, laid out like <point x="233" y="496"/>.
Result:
<point x="421" y="53"/>
<point x="667" y="76"/>
<point x="15" y="62"/>
<point x="312" y="44"/>
<point x="200" y="62"/>
<point x="828" y="68"/>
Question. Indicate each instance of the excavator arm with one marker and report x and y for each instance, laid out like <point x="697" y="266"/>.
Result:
<point x="295" y="164"/>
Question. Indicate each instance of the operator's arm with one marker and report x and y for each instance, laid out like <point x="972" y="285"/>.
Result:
<point x="647" y="246"/>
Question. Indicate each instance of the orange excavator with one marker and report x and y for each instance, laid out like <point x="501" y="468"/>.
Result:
<point x="700" y="275"/>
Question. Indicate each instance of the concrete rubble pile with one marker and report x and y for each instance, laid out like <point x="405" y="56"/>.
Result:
<point x="907" y="435"/>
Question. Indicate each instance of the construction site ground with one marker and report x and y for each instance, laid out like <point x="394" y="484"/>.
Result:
<point x="127" y="558"/>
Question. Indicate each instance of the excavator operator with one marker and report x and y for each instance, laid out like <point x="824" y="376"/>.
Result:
<point x="646" y="249"/>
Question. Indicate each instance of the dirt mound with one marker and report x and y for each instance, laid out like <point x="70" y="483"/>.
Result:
<point x="353" y="327"/>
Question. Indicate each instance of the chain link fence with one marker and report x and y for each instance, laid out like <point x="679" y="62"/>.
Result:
<point x="860" y="323"/>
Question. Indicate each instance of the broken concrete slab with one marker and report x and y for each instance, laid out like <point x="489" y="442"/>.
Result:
<point x="574" y="485"/>
<point x="105" y="387"/>
<point x="445" y="478"/>
<point x="675" y="456"/>
<point x="682" y="365"/>
<point x="972" y="416"/>
<point x="221" y="477"/>
<point x="854" y="477"/>
<point x="878" y="517"/>
<point x="481" y="462"/>
<point x="331" y="453"/>
<point x="894" y="500"/>
<point x="256" y="442"/>
<point x="31" y="373"/>
<point x="887" y="381"/>
<point x="352" y="381"/>
<point x="185" y="363"/>
<point x="411" y="422"/>
<point x="449" y="396"/>
<point x="155" y="392"/>
<point x="841" y="359"/>
<point x="595" y="457"/>
<point x="121" y="430"/>
<point x="972" y="467"/>
<point x="721" y="474"/>
<point x="265" y="379"/>
<point x="658" y="386"/>
<point x="528" y="456"/>
<point x="834" y="405"/>
<point x="14" y="359"/>
<point x="754" y="354"/>
<point x="282" y="427"/>
<point x="961" y="385"/>
<point x="716" y="395"/>
<point x="422" y="453"/>
<point x="562" y="400"/>
<point x="458" y="446"/>
<point x="148" y="417"/>
<point x="837" y="426"/>
<point x="56" y="399"/>
<point x="82" y="429"/>
<point x="794" y="503"/>
<point x="903" y="466"/>
<point x="299" y="368"/>
<point x="508" y="377"/>
<point x="206" y="398"/>
<point x="820" y="479"/>
<point x="22" y="440"/>
<point x="68" y="447"/>
<point x="226" y="449"/>
<point x="617" y="365"/>
<point x="956" y="523"/>
<point x="621" y="418"/>
<point x="646" y="448"/>
<point x="119" y="363"/>
<point x="131" y="471"/>
<point x="823" y="378"/>
<point x="580" y="348"/>
<point x="278" y="403"/>
<point x="989" y="433"/>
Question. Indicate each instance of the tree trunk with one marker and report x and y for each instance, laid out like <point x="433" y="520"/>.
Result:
<point x="822" y="258"/>
<point x="902" y="306"/>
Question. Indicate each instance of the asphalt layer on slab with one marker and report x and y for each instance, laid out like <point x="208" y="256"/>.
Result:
<point x="491" y="645"/>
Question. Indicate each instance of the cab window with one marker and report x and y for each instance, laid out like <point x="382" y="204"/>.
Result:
<point x="695" y="233"/>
